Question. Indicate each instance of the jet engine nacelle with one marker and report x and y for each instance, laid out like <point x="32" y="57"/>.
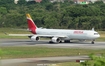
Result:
<point x="55" y="40"/>
<point x="34" y="38"/>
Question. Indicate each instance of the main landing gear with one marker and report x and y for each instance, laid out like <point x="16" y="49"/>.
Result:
<point x="66" y="41"/>
<point x="55" y="42"/>
<point x="92" y="41"/>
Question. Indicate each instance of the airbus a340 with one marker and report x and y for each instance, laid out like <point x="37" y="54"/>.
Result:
<point x="60" y="35"/>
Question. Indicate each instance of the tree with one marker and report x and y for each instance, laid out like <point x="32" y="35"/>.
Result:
<point x="3" y="10"/>
<point x="99" y="2"/>
<point x="66" y="21"/>
<point x="63" y="15"/>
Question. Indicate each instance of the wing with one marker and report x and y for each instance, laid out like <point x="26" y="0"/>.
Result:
<point x="20" y="34"/>
<point x="46" y="36"/>
<point x="54" y="38"/>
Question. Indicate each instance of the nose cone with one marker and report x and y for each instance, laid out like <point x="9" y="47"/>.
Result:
<point x="97" y="36"/>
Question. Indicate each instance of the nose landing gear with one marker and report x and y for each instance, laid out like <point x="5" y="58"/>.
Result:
<point x="92" y="41"/>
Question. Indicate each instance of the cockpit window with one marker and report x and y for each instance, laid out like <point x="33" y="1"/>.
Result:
<point x="95" y="33"/>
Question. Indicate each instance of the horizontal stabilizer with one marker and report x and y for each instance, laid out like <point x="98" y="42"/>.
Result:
<point x="20" y="34"/>
<point x="92" y="29"/>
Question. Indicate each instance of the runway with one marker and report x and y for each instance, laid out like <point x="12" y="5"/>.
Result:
<point x="44" y="43"/>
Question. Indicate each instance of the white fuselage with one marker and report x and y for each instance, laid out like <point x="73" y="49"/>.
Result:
<point x="71" y="34"/>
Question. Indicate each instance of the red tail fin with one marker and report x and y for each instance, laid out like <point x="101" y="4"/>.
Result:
<point x="31" y="25"/>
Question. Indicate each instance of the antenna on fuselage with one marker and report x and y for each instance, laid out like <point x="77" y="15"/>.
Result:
<point x="93" y="29"/>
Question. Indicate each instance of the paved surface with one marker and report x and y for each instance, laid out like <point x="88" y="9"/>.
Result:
<point x="44" y="43"/>
<point x="46" y="61"/>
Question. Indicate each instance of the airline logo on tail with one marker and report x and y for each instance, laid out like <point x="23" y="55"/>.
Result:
<point x="31" y="25"/>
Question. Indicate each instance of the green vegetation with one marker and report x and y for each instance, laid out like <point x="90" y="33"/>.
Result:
<point x="13" y="30"/>
<point x="5" y="31"/>
<point x="69" y="64"/>
<point x="95" y="61"/>
<point x="53" y="15"/>
<point x="0" y="54"/>
<point x="50" y="15"/>
<point x="32" y="52"/>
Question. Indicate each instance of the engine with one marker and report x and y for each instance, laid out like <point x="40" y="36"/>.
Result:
<point x="34" y="38"/>
<point x="55" y="39"/>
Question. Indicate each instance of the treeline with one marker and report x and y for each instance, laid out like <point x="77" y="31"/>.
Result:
<point x="53" y="15"/>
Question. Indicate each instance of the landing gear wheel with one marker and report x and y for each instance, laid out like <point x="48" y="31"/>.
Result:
<point x="51" y="42"/>
<point x="60" y="42"/>
<point x="66" y="41"/>
<point x="92" y="42"/>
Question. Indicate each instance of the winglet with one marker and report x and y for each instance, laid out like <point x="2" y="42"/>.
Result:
<point x="31" y="25"/>
<point x="28" y="16"/>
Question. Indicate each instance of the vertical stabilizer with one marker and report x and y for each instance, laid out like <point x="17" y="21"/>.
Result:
<point x="92" y="29"/>
<point x="31" y="25"/>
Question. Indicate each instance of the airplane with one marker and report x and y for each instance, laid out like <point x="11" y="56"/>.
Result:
<point x="59" y="35"/>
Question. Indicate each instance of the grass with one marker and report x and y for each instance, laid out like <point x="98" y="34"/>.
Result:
<point x="32" y="52"/>
<point x="69" y="64"/>
<point x="3" y="36"/>
<point x="5" y="31"/>
<point x="13" y="30"/>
